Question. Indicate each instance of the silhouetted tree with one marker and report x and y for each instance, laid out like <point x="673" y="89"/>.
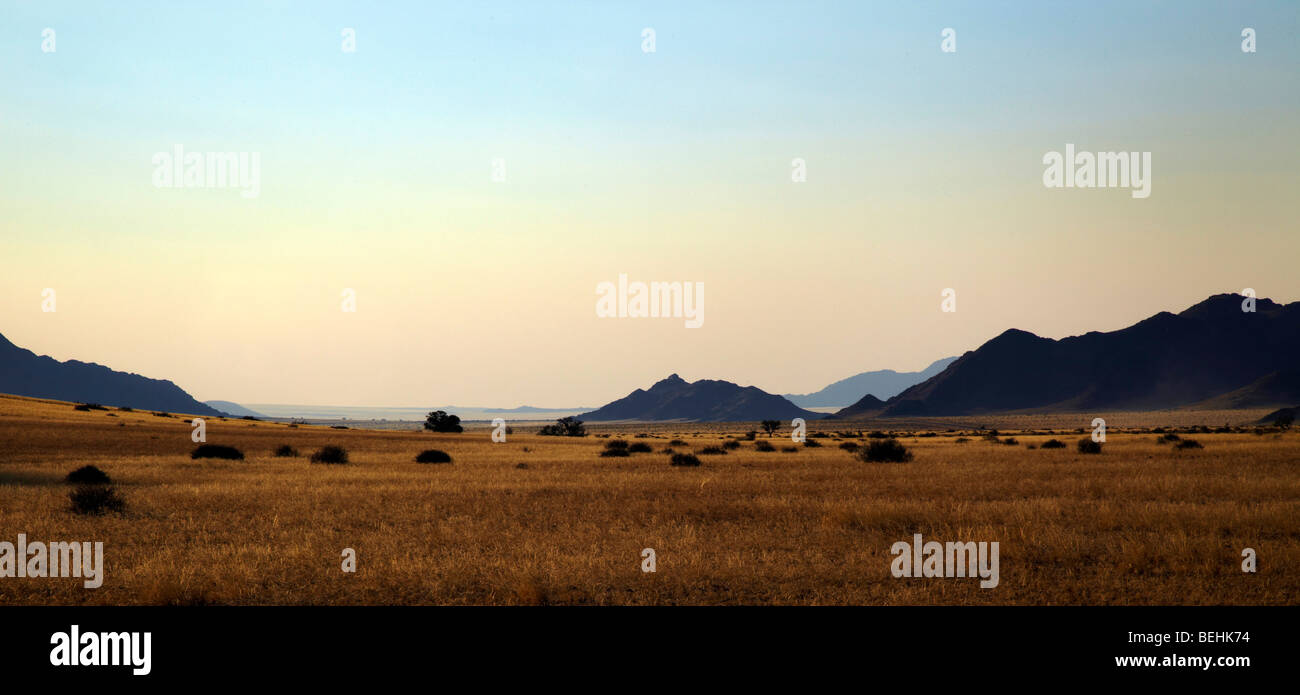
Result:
<point x="770" y="426"/>
<point x="565" y="427"/>
<point x="440" y="421"/>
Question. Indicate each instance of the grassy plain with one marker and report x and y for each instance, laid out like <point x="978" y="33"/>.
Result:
<point x="547" y="520"/>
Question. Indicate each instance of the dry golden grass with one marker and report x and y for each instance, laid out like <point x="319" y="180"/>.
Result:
<point x="1140" y="524"/>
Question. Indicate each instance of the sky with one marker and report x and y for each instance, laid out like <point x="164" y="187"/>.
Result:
<point x="924" y="171"/>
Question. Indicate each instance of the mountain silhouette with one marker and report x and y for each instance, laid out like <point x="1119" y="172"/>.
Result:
<point x="867" y="406"/>
<point x="23" y="373"/>
<point x="231" y="408"/>
<point x="705" y="400"/>
<point x="884" y="383"/>
<point x="1165" y="361"/>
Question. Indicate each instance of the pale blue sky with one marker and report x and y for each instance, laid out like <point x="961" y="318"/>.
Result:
<point x="924" y="173"/>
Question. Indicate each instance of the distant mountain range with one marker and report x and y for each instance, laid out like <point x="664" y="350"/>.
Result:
<point x="234" y="409"/>
<point x="884" y="383"/>
<point x="706" y="400"/>
<point x="23" y="373"/>
<point x="1213" y="354"/>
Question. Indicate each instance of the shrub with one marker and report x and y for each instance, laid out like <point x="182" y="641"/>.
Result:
<point x="433" y="456"/>
<point x="285" y="451"/>
<point x="95" y="499"/>
<point x="1166" y="438"/>
<point x="667" y="450"/>
<point x="877" y="434"/>
<point x="616" y="444"/>
<point x="684" y="460"/>
<point x="125" y="408"/>
<point x="87" y="407"/>
<point x="712" y="451"/>
<point x="1087" y="446"/>
<point x="440" y="421"/>
<point x="749" y="436"/>
<point x="88" y="475"/>
<point x="789" y="449"/>
<point x="565" y="427"/>
<point x="338" y="427"/>
<point x="249" y="417"/>
<point x="1010" y="441"/>
<point x="849" y="446"/>
<point x="812" y="443"/>
<point x="330" y="454"/>
<point x="615" y="452"/>
<point x="640" y="448"/>
<point x="217" y="451"/>
<point x="763" y="446"/>
<point x="885" y="450"/>
<point x="961" y="440"/>
<point x="677" y="442"/>
<point x="1189" y="444"/>
<point x="162" y="414"/>
<point x="1053" y="444"/>
<point x="731" y="444"/>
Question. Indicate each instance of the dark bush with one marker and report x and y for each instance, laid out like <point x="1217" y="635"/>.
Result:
<point x="162" y="414"/>
<point x="877" y="434"/>
<point x="761" y="445"/>
<point x="616" y="444"/>
<point x="285" y="451"/>
<point x="330" y="454"/>
<point x="885" y="450"/>
<point x="961" y="440"/>
<point x="1169" y="437"/>
<point x="338" y="427"/>
<point x="731" y="444"/>
<point x="639" y="448"/>
<point x="749" y="436"/>
<point x="677" y="442"/>
<point x="615" y="452"/>
<point x="565" y="427"/>
<point x="789" y="449"/>
<point x="433" y="456"/>
<point x="1010" y="441"/>
<point x="684" y="460"/>
<point x="95" y="499"/>
<point x="812" y="443"/>
<point x="86" y="407"/>
<point x="1189" y="444"/>
<point x="1087" y="446"/>
<point x="217" y="451"/>
<point x="440" y="421"/>
<point x="850" y="446"/>
<point x="249" y="417"/>
<point x="712" y="451"/>
<point x="88" y="475"/>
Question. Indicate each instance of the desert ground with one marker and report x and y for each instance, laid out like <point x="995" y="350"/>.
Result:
<point x="548" y="520"/>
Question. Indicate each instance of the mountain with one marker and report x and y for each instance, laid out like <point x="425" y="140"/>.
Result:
<point x="1165" y="361"/>
<point x="867" y="406"/>
<point x="234" y="409"/>
<point x="1293" y="413"/>
<point x="23" y="373"/>
<point x="705" y="400"/>
<point x="1269" y="391"/>
<point x="884" y="383"/>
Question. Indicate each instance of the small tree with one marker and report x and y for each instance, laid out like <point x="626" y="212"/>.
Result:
<point x="440" y="421"/>
<point x="770" y="426"/>
<point x="565" y="427"/>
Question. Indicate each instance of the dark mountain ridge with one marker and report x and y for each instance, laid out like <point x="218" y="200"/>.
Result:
<point x="705" y="400"/>
<point x="23" y="373"/>
<point x="1165" y="361"/>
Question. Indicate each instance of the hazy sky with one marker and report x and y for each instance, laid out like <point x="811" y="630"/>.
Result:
<point x="924" y="172"/>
